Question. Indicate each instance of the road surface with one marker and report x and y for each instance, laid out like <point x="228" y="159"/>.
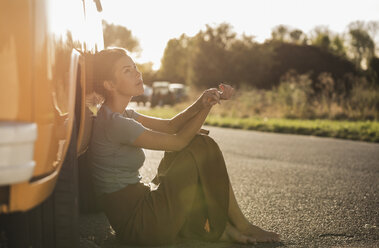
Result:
<point x="315" y="192"/>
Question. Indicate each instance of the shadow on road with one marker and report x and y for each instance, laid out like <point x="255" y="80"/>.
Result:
<point x="96" y="232"/>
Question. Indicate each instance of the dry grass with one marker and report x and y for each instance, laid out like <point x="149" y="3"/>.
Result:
<point x="290" y="109"/>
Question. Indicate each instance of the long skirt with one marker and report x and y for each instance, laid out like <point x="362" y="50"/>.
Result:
<point x="190" y="201"/>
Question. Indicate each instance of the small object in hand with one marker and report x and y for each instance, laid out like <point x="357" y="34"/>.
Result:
<point x="204" y="131"/>
<point x="226" y="91"/>
<point x="222" y="88"/>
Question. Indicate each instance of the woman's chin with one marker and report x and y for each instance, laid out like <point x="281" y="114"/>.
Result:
<point x="142" y="89"/>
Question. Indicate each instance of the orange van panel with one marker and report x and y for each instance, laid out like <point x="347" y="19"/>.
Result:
<point x="37" y="48"/>
<point x="53" y="86"/>
<point x="15" y="61"/>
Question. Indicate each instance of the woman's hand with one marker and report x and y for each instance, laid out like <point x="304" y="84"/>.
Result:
<point x="210" y="97"/>
<point x="227" y="91"/>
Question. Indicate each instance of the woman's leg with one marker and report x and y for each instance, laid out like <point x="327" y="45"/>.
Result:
<point x="208" y="217"/>
<point x="163" y="213"/>
<point x="233" y="234"/>
<point x="242" y="224"/>
<point x="236" y="216"/>
<point x="214" y="167"/>
<point x="177" y="178"/>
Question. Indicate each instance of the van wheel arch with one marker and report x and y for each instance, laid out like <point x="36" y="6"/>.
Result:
<point x="53" y="223"/>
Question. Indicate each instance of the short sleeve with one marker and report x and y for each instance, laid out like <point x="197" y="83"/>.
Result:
<point x="131" y="114"/>
<point x="124" y="130"/>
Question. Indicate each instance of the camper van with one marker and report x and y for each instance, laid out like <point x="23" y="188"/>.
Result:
<point x="46" y="49"/>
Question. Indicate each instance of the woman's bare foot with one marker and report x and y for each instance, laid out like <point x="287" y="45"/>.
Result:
<point x="231" y="234"/>
<point x="259" y="234"/>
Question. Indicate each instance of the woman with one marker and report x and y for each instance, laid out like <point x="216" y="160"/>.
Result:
<point x="191" y="196"/>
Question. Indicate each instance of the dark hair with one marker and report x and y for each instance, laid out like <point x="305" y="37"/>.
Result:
<point x="104" y="62"/>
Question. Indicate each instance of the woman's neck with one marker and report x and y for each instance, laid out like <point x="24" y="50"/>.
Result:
<point x="118" y="104"/>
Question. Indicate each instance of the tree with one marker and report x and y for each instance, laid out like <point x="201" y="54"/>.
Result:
<point x="216" y="55"/>
<point x="280" y="32"/>
<point x="175" y="60"/>
<point x="337" y="45"/>
<point x="296" y="35"/>
<point x="374" y="67"/>
<point x="120" y="36"/>
<point x="373" y="30"/>
<point x="251" y="62"/>
<point x="356" y="25"/>
<point x="304" y="59"/>
<point x="362" y="46"/>
<point x="210" y="56"/>
<point x="324" y="38"/>
<point x="320" y="36"/>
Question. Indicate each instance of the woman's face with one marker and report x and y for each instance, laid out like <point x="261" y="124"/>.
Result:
<point x="128" y="80"/>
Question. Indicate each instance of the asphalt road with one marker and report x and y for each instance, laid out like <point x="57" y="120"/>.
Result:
<point x="315" y="192"/>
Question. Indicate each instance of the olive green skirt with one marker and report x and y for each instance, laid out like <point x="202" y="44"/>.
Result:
<point x="190" y="201"/>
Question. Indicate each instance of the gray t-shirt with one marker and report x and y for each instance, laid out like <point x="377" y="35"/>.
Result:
<point x="115" y="162"/>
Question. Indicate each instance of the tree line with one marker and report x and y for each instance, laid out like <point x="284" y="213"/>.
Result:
<point x="219" y="54"/>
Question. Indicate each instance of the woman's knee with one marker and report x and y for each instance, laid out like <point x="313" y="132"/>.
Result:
<point x="203" y="148"/>
<point x="201" y="140"/>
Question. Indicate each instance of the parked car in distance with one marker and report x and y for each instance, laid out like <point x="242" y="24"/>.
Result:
<point x="168" y="93"/>
<point x="162" y="94"/>
<point x="179" y="92"/>
<point x="145" y="97"/>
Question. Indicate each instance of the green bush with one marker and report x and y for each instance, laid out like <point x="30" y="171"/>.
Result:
<point x="294" y="94"/>
<point x="363" y="102"/>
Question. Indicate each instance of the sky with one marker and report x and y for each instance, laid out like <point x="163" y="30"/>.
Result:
<point x="155" y="22"/>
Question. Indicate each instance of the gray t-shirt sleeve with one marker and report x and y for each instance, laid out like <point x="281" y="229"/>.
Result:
<point x="132" y="114"/>
<point x="124" y="130"/>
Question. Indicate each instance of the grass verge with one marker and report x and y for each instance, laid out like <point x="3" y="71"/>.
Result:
<point x="353" y="130"/>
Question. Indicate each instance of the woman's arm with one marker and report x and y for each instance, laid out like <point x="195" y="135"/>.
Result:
<point x="174" y="142"/>
<point x="177" y="122"/>
<point x="173" y="125"/>
<point x="211" y="95"/>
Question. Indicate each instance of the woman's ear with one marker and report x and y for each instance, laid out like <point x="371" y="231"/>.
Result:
<point x="108" y="85"/>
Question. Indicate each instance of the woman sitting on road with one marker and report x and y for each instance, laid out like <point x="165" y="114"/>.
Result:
<point x="191" y="196"/>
